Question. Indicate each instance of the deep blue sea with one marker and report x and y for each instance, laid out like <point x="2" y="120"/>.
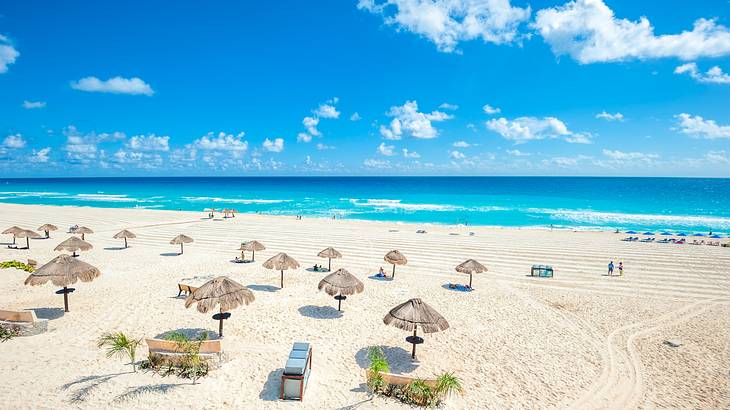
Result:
<point x="676" y="204"/>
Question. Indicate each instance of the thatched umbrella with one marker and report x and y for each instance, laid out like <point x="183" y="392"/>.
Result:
<point x="396" y="258"/>
<point x="251" y="246"/>
<point x="471" y="266"/>
<point x="63" y="270"/>
<point x="73" y="244"/>
<point x="329" y="253"/>
<point x="47" y="228"/>
<point x="340" y="284"/>
<point x="281" y="262"/>
<point x="413" y="313"/>
<point x="126" y="235"/>
<point x="83" y="231"/>
<point x="12" y="231"/>
<point x="222" y="291"/>
<point x="27" y="234"/>
<point x="181" y="239"/>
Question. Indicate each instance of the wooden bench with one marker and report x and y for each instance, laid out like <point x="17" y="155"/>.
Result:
<point x="168" y="351"/>
<point x="187" y="289"/>
<point x="25" y="321"/>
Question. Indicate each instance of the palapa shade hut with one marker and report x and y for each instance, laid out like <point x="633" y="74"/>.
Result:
<point x="329" y="253"/>
<point x="27" y="234"/>
<point x="412" y="314"/>
<point x="395" y="258"/>
<point x="281" y="262"/>
<point x="63" y="270"/>
<point x="73" y="245"/>
<point x="471" y="266"/>
<point x="47" y="228"/>
<point x="12" y="231"/>
<point x="181" y="239"/>
<point x="126" y="235"/>
<point x="83" y="231"/>
<point x="251" y="246"/>
<point x="340" y="284"/>
<point x="223" y="292"/>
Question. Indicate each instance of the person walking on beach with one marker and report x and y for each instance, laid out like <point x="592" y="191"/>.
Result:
<point x="610" y="268"/>
<point x="621" y="269"/>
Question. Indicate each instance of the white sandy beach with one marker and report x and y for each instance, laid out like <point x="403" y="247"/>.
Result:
<point x="579" y="340"/>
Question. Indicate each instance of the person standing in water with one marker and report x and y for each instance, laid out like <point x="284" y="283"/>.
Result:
<point x="610" y="268"/>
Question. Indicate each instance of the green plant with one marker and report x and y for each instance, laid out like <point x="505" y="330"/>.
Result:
<point x="420" y="393"/>
<point x="118" y="344"/>
<point x="448" y="384"/>
<point x="8" y="332"/>
<point x="378" y="364"/>
<point x="16" y="265"/>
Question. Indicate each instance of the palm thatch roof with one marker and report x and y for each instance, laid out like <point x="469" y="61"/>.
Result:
<point x="181" y="239"/>
<point x="414" y="313"/>
<point x="341" y="282"/>
<point x="73" y="244"/>
<point x="47" y="227"/>
<point x="330" y="253"/>
<point x="252" y="246"/>
<point x="83" y="230"/>
<point x="63" y="270"/>
<point x="222" y="291"/>
<point x="12" y="230"/>
<point x="471" y="266"/>
<point x="281" y="261"/>
<point x="27" y="233"/>
<point x="124" y="234"/>
<point x="395" y="257"/>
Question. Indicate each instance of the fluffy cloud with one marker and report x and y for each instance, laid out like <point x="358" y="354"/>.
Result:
<point x="29" y="105"/>
<point x="149" y="143"/>
<point x="221" y="142"/>
<point x="408" y="120"/>
<point x="448" y="22"/>
<point x="698" y="127"/>
<point x="355" y="117"/>
<point x="410" y="154"/>
<point x="304" y="137"/>
<point x="714" y="75"/>
<point x="387" y="150"/>
<point x="310" y="123"/>
<point x="610" y="117"/>
<point x="447" y="106"/>
<point x="588" y="31"/>
<point x="488" y="109"/>
<point x="717" y="156"/>
<point x="323" y="147"/>
<point x="14" y="141"/>
<point x="276" y="145"/>
<point x="524" y="129"/>
<point x="621" y="156"/>
<point x="517" y="153"/>
<point x="8" y="54"/>
<point x="41" y="155"/>
<point x="456" y="155"/>
<point x="116" y="85"/>
<point x="142" y="160"/>
<point x="461" y="144"/>
<point x="327" y="111"/>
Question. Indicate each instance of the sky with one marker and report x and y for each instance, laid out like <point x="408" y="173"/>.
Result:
<point x="365" y="87"/>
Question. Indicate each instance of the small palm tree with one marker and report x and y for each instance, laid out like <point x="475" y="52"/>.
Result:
<point x="378" y="364"/>
<point x="448" y="384"/>
<point x="119" y="345"/>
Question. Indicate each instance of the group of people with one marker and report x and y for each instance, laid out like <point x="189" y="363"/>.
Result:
<point x="319" y="268"/>
<point x="620" y="268"/>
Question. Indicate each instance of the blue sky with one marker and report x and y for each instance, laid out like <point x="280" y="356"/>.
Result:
<point x="398" y="87"/>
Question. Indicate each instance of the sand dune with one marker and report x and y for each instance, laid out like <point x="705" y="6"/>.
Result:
<point x="580" y="340"/>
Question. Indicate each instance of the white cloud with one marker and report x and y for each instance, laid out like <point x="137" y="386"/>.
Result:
<point x="717" y="156"/>
<point x="448" y="22"/>
<point x="276" y="145"/>
<point x="488" y="109"/>
<point x="222" y="142"/>
<point x="41" y="155"/>
<point x="355" y="117"/>
<point x="304" y="137"/>
<point x="137" y="159"/>
<point x="149" y="143"/>
<point x="517" y="153"/>
<point x="376" y="163"/>
<point x="410" y="154"/>
<point x="14" y="141"/>
<point x="461" y="144"/>
<point x="407" y="119"/>
<point x="524" y="129"/>
<point x="386" y="150"/>
<point x="456" y="155"/>
<point x="588" y="31"/>
<point x="310" y="123"/>
<point x="698" y="127"/>
<point x="116" y="85"/>
<point x="29" y="105"/>
<point x="610" y="117"/>
<point x="714" y="75"/>
<point x="327" y="111"/>
<point x="8" y="54"/>
<point x="447" y="106"/>
<point x="323" y="147"/>
<point x="621" y="156"/>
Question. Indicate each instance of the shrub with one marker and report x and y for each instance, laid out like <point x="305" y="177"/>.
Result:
<point x="8" y="332"/>
<point x="16" y="265"/>
<point x="118" y="344"/>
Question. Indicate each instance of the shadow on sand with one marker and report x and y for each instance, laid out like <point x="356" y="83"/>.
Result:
<point x="399" y="359"/>
<point x="272" y="387"/>
<point x="320" y="312"/>
<point x="135" y="392"/>
<point x="84" y="386"/>
<point x="115" y="248"/>
<point x="170" y="254"/>
<point x="263" y="288"/>
<point x="48" y="313"/>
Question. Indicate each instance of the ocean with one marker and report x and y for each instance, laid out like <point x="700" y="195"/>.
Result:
<point x="689" y="205"/>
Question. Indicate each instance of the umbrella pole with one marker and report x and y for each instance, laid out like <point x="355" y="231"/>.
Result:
<point x="329" y="265"/>
<point x="393" y="271"/>
<point x="27" y="242"/>
<point x="74" y="254"/>
<point x="125" y="243"/>
<point x="47" y="235"/>
<point x="181" y="248"/>
<point x="65" y="299"/>
<point x="470" y="281"/>
<point x="220" y="325"/>
<point x="82" y="237"/>
<point x="282" y="279"/>
<point x="253" y="256"/>
<point x="339" y="305"/>
<point x="413" y="353"/>
<point x="13" y="239"/>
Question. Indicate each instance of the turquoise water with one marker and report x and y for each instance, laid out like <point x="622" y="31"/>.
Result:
<point x="677" y="204"/>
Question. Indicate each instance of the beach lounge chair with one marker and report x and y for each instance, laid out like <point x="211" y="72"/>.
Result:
<point x="542" y="271"/>
<point x="25" y="321"/>
<point x="187" y="289"/>
<point x="296" y="372"/>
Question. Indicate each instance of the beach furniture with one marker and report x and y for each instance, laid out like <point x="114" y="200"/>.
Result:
<point x="25" y="321"/>
<point x="63" y="270"/>
<point x="402" y="380"/>
<point x="413" y="313"/>
<point x="329" y="253"/>
<point x="470" y="266"/>
<point x="395" y="258"/>
<point x="296" y="372"/>
<point x="340" y="284"/>
<point x="221" y="292"/>
<point x="186" y="289"/>
<point x="281" y="262"/>
<point x="542" y="271"/>
<point x="168" y="351"/>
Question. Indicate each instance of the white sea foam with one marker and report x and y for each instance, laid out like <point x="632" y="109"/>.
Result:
<point x="234" y="200"/>
<point x="32" y="193"/>
<point x="616" y="218"/>
<point x="397" y="204"/>
<point x="105" y="197"/>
